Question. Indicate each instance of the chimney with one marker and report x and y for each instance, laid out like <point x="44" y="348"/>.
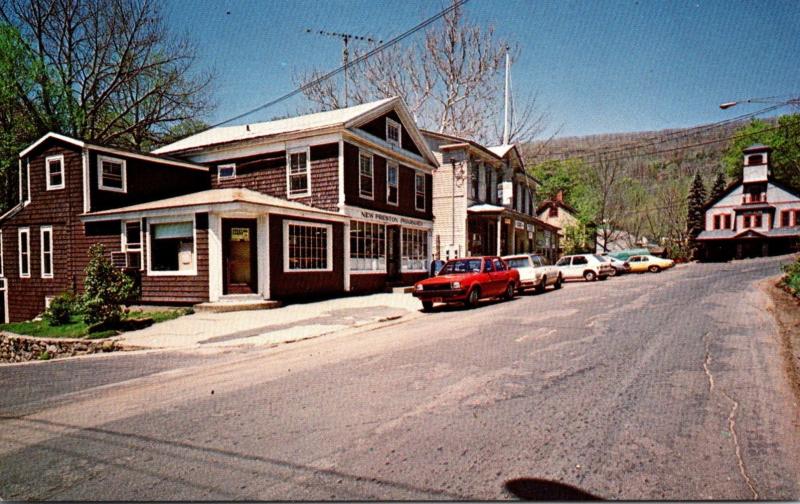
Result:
<point x="560" y="196"/>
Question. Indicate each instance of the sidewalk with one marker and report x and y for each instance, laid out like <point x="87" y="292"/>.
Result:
<point x="280" y="325"/>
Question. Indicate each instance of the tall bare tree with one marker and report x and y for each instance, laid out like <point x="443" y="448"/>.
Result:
<point x="451" y="79"/>
<point x="104" y="70"/>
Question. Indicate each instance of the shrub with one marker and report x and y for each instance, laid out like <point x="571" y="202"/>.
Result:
<point x="60" y="310"/>
<point x="106" y="289"/>
<point x="791" y="279"/>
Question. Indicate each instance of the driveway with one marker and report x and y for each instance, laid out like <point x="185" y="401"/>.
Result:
<point x="667" y="386"/>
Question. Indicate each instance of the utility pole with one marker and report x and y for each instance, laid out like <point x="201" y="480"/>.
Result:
<point x="345" y="38"/>
<point x="506" y="115"/>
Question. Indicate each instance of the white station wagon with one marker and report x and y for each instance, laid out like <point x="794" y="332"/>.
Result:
<point x="587" y="266"/>
<point x="535" y="272"/>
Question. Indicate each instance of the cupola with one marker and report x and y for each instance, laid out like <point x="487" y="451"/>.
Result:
<point x="756" y="163"/>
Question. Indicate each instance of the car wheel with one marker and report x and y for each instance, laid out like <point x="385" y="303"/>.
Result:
<point x="613" y="272"/>
<point x="509" y="293"/>
<point x="557" y="285"/>
<point x="542" y="285"/>
<point x="473" y="297"/>
<point x="589" y="276"/>
<point x="654" y="269"/>
<point x="427" y="306"/>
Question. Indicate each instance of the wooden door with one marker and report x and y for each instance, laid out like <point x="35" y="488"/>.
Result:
<point x="240" y="267"/>
<point x="393" y="253"/>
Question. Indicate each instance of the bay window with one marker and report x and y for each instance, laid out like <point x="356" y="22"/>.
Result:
<point x="367" y="246"/>
<point x="415" y="249"/>
<point x="307" y="246"/>
<point x="172" y="248"/>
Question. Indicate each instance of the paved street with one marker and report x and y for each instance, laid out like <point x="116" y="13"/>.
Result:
<point x="667" y="386"/>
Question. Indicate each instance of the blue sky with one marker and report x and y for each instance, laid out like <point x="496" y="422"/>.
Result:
<point x="598" y="66"/>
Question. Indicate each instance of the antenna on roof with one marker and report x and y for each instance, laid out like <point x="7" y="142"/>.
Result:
<point x="345" y="38"/>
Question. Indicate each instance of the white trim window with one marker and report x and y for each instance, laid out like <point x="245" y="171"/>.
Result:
<point x="392" y="180"/>
<point x="367" y="247"/>
<point x="172" y="246"/>
<point x="366" y="181"/>
<point x="298" y="173"/>
<point x="112" y="174"/>
<point x="54" y="172"/>
<point x="415" y="249"/>
<point x="307" y="246"/>
<point x="419" y="191"/>
<point x="226" y="171"/>
<point x="132" y="239"/>
<point x="394" y="132"/>
<point x="24" y="235"/>
<point x="46" y="250"/>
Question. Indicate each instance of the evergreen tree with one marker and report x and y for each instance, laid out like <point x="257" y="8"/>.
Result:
<point x="718" y="188"/>
<point x="696" y="218"/>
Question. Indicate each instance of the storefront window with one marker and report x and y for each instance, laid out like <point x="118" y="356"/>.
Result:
<point x="172" y="247"/>
<point x="308" y="247"/>
<point x="367" y="246"/>
<point x="415" y="250"/>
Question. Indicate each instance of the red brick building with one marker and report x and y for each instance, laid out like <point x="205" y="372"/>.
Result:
<point x="320" y="204"/>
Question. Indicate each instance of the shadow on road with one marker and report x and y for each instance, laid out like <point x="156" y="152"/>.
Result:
<point x="536" y="489"/>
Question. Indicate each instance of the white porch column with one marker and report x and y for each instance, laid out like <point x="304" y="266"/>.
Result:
<point x="346" y="268"/>
<point x="513" y="236"/>
<point x="214" y="257"/>
<point x="262" y="255"/>
<point x="499" y="233"/>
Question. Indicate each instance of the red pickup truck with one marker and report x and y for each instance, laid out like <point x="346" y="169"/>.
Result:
<point x="468" y="280"/>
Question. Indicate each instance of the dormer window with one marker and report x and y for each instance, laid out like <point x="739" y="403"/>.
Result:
<point x="111" y="174"/>
<point x="393" y="132"/>
<point x="226" y="171"/>
<point x="55" y="172"/>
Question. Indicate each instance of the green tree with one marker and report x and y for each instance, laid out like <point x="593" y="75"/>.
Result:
<point x="695" y="221"/>
<point x="106" y="289"/>
<point x="783" y="137"/>
<point x="718" y="188"/>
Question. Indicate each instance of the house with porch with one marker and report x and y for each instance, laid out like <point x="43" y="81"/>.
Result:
<point x="754" y="216"/>
<point x="484" y="201"/>
<point x="315" y="205"/>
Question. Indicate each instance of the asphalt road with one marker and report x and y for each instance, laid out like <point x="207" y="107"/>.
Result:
<point x="667" y="386"/>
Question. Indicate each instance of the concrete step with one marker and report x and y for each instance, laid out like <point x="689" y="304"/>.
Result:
<point x="401" y="290"/>
<point x="234" y="305"/>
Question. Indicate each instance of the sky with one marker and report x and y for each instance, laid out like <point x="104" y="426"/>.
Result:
<point x="599" y="66"/>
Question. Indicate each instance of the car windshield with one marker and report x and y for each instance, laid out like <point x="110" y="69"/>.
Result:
<point x="601" y="258"/>
<point x="519" y="262"/>
<point x="461" y="266"/>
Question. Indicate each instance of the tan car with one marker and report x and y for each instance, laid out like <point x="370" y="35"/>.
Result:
<point x="653" y="264"/>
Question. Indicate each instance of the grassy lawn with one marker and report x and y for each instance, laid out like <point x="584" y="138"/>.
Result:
<point x="77" y="328"/>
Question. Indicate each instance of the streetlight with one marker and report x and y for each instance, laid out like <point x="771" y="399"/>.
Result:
<point x="771" y="100"/>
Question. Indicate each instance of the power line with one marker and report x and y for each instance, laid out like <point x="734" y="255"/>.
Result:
<point x="456" y="4"/>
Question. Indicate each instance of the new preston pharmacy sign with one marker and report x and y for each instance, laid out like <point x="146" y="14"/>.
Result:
<point x="386" y="218"/>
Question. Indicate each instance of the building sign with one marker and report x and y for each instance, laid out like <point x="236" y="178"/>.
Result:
<point x="530" y="228"/>
<point x="386" y="218"/>
<point x="240" y="234"/>
<point x="519" y="225"/>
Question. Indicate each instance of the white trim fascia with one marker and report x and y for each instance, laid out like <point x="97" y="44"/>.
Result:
<point x="27" y="231"/>
<point x="263" y="145"/>
<point x="328" y="242"/>
<point x="397" y="182"/>
<point x="215" y="287"/>
<point x="424" y="191"/>
<point x="365" y="140"/>
<point x="361" y="153"/>
<point x="47" y="161"/>
<point x="346" y="258"/>
<point x="2" y="257"/>
<point x="392" y="122"/>
<point x="262" y="254"/>
<point x="19" y="179"/>
<point x="289" y="152"/>
<point x="252" y="209"/>
<point x="28" y="176"/>
<point x="42" y="230"/>
<point x="123" y="173"/>
<point x="226" y="165"/>
<point x="341" y="174"/>
<point x="170" y="220"/>
<point x="87" y="198"/>
<point x="48" y="136"/>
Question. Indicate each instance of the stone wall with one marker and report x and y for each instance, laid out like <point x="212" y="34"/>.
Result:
<point x="17" y="348"/>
